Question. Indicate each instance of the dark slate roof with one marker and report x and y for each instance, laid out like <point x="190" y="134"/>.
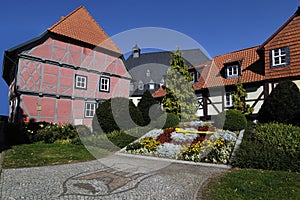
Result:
<point x="157" y="63"/>
<point x="192" y="57"/>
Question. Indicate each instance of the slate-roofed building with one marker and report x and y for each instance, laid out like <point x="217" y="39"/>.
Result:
<point x="62" y="75"/>
<point x="148" y="70"/>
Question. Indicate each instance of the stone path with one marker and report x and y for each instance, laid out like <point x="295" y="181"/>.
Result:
<point x="113" y="177"/>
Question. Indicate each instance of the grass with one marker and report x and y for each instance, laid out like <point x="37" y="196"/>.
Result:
<point x="40" y="154"/>
<point x="254" y="184"/>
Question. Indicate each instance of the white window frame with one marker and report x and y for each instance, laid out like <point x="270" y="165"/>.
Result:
<point x="228" y="99"/>
<point x="278" y="57"/>
<point x="90" y="109"/>
<point x="151" y="86"/>
<point x="80" y="82"/>
<point x="104" y="84"/>
<point x="232" y="71"/>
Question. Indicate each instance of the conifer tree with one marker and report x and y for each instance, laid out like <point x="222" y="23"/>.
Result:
<point x="239" y="97"/>
<point x="180" y="99"/>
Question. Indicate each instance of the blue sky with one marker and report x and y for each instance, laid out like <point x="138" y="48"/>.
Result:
<point x="219" y="26"/>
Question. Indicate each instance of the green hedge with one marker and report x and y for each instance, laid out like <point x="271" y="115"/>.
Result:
<point x="271" y="146"/>
<point x="232" y="120"/>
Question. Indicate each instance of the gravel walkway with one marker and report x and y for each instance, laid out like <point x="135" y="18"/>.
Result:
<point x="113" y="177"/>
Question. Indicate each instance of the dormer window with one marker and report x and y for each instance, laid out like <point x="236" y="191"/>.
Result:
<point x="148" y="73"/>
<point x="280" y="57"/>
<point x="151" y="85"/>
<point x="195" y="76"/>
<point x="233" y="71"/>
<point x="141" y="85"/>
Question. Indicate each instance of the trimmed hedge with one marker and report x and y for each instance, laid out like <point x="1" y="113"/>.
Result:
<point x="124" y="115"/>
<point x="271" y="146"/>
<point x="282" y="105"/>
<point x="234" y="120"/>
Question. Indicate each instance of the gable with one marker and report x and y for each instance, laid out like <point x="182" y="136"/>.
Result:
<point x="285" y="38"/>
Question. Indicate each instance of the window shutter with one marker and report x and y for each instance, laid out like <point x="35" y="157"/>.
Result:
<point x="240" y="70"/>
<point x="225" y="72"/>
<point x="287" y="53"/>
<point x="271" y="59"/>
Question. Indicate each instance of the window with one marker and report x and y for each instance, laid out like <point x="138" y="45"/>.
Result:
<point x="90" y="109"/>
<point x="148" y="73"/>
<point x="151" y="86"/>
<point x="141" y="85"/>
<point x="80" y="82"/>
<point x="228" y="99"/>
<point x="195" y="76"/>
<point x="232" y="71"/>
<point x="280" y="57"/>
<point x="104" y="85"/>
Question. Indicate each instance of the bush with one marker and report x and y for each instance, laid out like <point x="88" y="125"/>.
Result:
<point x="234" y="120"/>
<point x="171" y="121"/>
<point x="13" y="134"/>
<point x="125" y="115"/>
<point x="53" y="132"/>
<point x="271" y="146"/>
<point x="83" y="130"/>
<point x="282" y="105"/>
<point x="145" y="104"/>
<point x="120" y="138"/>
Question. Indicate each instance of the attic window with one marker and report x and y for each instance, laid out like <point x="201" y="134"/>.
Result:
<point x="195" y="76"/>
<point x="233" y="71"/>
<point x="148" y="73"/>
<point x="280" y="57"/>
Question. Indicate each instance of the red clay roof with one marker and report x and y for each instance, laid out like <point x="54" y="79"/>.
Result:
<point x="81" y="26"/>
<point x="252" y="69"/>
<point x="161" y="92"/>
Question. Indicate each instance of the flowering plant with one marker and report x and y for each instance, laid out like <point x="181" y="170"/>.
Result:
<point x="187" y="143"/>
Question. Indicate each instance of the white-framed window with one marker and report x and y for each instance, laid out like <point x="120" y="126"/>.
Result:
<point x="104" y="85"/>
<point x="279" y="57"/>
<point x="80" y="82"/>
<point x="232" y="71"/>
<point x="141" y="85"/>
<point x="151" y="86"/>
<point x="228" y="99"/>
<point x="90" y="109"/>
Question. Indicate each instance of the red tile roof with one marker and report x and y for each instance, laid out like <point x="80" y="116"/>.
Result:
<point x="161" y="92"/>
<point x="252" y="69"/>
<point x="81" y="26"/>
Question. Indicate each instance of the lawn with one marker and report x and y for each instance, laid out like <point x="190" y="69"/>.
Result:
<point x="40" y="154"/>
<point x="254" y="184"/>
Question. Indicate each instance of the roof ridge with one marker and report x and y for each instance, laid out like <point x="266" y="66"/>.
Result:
<point x="65" y="17"/>
<point x="257" y="46"/>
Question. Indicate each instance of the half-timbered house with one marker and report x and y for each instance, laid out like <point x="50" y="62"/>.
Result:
<point x="63" y="74"/>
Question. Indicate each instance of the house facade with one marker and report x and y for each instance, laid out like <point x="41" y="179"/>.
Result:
<point x="65" y="73"/>
<point x="259" y="68"/>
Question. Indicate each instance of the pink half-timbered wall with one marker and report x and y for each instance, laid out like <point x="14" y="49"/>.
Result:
<point x="46" y="80"/>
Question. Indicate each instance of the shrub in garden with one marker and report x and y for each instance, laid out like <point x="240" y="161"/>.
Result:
<point x="271" y="146"/>
<point x="53" y="132"/>
<point x="171" y="121"/>
<point x="124" y="112"/>
<point x="234" y="120"/>
<point x="144" y="106"/>
<point x="282" y="105"/>
<point x="120" y="138"/>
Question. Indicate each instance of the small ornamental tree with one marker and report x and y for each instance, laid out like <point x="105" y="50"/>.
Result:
<point x="145" y="104"/>
<point x="180" y="99"/>
<point x="282" y="105"/>
<point x="239" y="97"/>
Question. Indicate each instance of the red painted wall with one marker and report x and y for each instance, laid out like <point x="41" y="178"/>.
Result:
<point x="46" y="77"/>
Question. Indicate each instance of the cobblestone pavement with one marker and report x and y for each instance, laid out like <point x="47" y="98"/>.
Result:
<point x="113" y="177"/>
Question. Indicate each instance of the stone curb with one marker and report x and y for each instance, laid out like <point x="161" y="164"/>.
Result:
<point x="175" y="161"/>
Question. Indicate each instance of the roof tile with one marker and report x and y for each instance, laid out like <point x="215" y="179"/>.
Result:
<point x="81" y="26"/>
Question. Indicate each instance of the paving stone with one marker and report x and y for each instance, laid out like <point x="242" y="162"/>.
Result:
<point x="114" y="177"/>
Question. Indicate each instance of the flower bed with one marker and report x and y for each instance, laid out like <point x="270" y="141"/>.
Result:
<point x="194" y="141"/>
